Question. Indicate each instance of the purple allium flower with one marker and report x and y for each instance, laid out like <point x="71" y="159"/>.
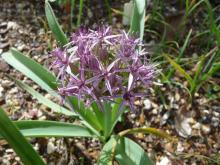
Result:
<point x="101" y="65"/>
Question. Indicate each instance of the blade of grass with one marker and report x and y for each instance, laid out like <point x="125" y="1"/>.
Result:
<point x="179" y="69"/>
<point x="195" y="84"/>
<point x="182" y="49"/>
<point x="213" y="26"/>
<point x="16" y="140"/>
<point x="109" y="11"/>
<point x="80" y="12"/>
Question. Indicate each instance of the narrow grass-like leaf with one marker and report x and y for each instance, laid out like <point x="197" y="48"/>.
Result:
<point x="31" y="69"/>
<point x="16" y="140"/>
<point x="80" y="12"/>
<point x="204" y="65"/>
<point x="137" y="22"/>
<point x="108" y="7"/>
<point x="179" y="69"/>
<point x="213" y="26"/>
<point x="210" y="58"/>
<point x="182" y="50"/>
<point x="35" y="128"/>
<point x="215" y="69"/>
<point x="147" y="130"/>
<point x="54" y="25"/>
<point x="196" y="83"/>
<point x="43" y="100"/>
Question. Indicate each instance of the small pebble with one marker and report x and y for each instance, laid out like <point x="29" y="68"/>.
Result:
<point x="154" y="111"/>
<point x="6" y="83"/>
<point x="133" y="115"/>
<point x="196" y="126"/>
<point x="206" y="129"/>
<point x="147" y="104"/>
<point x="21" y="47"/>
<point x="12" y="25"/>
<point x="4" y="67"/>
<point x="216" y="114"/>
<point x="13" y="90"/>
<point x="180" y="147"/>
<point x="50" y="148"/>
<point x="164" y="161"/>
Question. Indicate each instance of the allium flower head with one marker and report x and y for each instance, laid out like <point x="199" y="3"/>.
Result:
<point x="101" y="65"/>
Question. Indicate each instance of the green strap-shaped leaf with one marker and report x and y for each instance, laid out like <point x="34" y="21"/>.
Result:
<point x="109" y="116"/>
<point x="16" y="140"/>
<point x="137" y="22"/>
<point x="43" y="100"/>
<point x="88" y="116"/>
<point x="36" y="128"/>
<point x="31" y="69"/>
<point x="108" y="152"/>
<point x="130" y="153"/>
<point x="47" y="81"/>
<point x="124" y="151"/>
<point x="54" y="25"/>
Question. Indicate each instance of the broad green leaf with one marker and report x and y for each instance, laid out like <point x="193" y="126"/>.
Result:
<point x="36" y="128"/>
<point x="98" y="113"/>
<point x="124" y="151"/>
<point x="116" y="112"/>
<point x="16" y="140"/>
<point x="179" y="69"/>
<point x="31" y="69"/>
<point x="107" y="154"/>
<point x="107" y="119"/>
<point x="43" y="100"/>
<point x="54" y="25"/>
<point x="109" y="116"/>
<point x="130" y="153"/>
<point x="137" y="22"/>
<point x="89" y="118"/>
